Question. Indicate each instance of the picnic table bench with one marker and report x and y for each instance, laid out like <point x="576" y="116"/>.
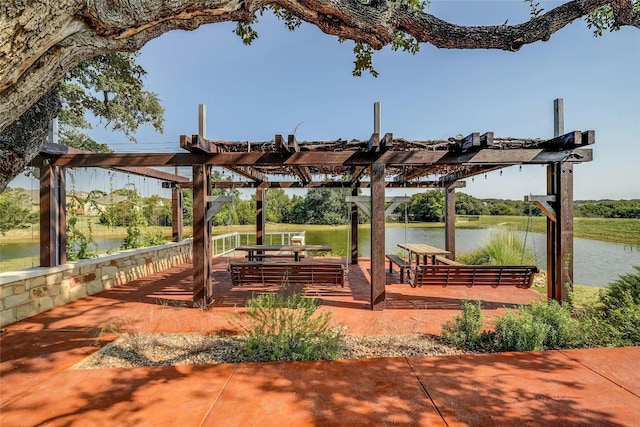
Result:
<point x="284" y="273"/>
<point x="403" y="264"/>
<point x="475" y="275"/>
<point x="264" y="256"/>
<point x="443" y="260"/>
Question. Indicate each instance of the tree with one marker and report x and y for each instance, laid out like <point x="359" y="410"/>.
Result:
<point x="157" y="210"/>
<point x="277" y="205"/>
<point x="469" y="205"/>
<point x="42" y="41"/>
<point x="110" y="88"/>
<point x="428" y="206"/>
<point x="324" y="206"/>
<point x="15" y="209"/>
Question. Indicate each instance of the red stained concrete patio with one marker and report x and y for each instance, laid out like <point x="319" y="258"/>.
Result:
<point x="39" y="385"/>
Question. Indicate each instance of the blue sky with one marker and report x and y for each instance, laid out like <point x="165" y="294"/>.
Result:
<point x="304" y="77"/>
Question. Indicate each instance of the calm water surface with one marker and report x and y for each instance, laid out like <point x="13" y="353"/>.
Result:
<point x="595" y="263"/>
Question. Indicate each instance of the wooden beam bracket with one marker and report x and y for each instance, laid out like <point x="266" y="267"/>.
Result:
<point x="364" y="203"/>
<point x="543" y="202"/>
<point x="216" y="204"/>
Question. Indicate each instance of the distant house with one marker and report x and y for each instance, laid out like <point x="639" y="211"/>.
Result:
<point x="101" y="204"/>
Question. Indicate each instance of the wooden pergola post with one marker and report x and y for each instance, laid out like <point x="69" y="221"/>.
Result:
<point x="52" y="216"/>
<point x="202" y="289"/>
<point x="177" y="217"/>
<point x="378" y="273"/>
<point x="560" y="231"/>
<point x="354" y="227"/>
<point x="260" y="215"/>
<point x="450" y="217"/>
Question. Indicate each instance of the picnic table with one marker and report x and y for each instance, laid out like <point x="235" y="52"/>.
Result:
<point x="426" y="252"/>
<point x="258" y="251"/>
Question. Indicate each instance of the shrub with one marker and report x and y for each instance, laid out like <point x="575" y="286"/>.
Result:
<point x="504" y="248"/>
<point x="626" y="320"/>
<point x="521" y="332"/>
<point x="154" y="239"/>
<point x="594" y="330"/>
<point x="563" y="328"/>
<point x="464" y="331"/>
<point x="287" y="328"/>
<point x="623" y="292"/>
<point x="621" y="305"/>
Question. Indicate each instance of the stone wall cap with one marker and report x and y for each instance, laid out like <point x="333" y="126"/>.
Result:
<point x="29" y="273"/>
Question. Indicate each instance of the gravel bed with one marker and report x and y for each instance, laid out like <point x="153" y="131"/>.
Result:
<point x="195" y="349"/>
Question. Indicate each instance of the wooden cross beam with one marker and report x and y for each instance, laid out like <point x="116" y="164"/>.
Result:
<point x="364" y="203"/>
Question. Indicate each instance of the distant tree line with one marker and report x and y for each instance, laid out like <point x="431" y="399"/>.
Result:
<point x="318" y="206"/>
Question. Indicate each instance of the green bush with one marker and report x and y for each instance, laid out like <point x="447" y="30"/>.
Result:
<point x="612" y="321"/>
<point x="287" y="328"/>
<point x="521" y="332"/>
<point x="563" y="328"/>
<point x="621" y="306"/>
<point x="594" y="330"/>
<point x="465" y="331"/>
<point x="504" y="248"/>
<point x="623" y="292"/>
<point x="154" y="239"/>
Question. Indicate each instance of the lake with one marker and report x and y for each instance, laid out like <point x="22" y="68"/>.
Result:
<point x="595" y="263"/>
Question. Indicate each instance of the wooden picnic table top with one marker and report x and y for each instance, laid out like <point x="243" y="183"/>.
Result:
<point x="292" y="248"/>
<point x="422" y="249"/>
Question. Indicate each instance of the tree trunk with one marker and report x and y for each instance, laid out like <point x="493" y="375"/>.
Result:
<point x="22" y="140"/>
<point x="41" y="41"/>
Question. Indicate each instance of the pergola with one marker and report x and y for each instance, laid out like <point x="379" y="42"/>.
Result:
<point x="380" y="162"/>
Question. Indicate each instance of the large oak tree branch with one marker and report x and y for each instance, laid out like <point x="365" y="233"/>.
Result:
<point x="41" y="41"/>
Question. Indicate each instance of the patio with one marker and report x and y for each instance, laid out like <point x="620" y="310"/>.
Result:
<point x="39" y="384"/>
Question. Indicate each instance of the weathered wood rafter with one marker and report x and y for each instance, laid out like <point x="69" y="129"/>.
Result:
<point x="406" y="162"/>
<point x="148" y="172"/>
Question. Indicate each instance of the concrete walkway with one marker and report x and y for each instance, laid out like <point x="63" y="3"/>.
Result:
<point x="40" y="386"/>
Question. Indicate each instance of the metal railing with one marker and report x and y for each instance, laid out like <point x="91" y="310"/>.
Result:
<point x="223" y="244"/>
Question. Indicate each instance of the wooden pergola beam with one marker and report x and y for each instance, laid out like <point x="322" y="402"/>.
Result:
<point x="248" y="172"/>
<point x="52" y="149"/>
<point x="328" y="159"/>
<point x="320" y="184"/>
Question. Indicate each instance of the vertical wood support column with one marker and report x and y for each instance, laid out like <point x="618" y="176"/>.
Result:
<point x="378" y="273"/>
<point x="50" y="216"/>
<point x="552" y="257"/>
<point x="177" y="217"/>
<point x="560" y="232"/>
<point x="260" y="216"/>
<point x="62" y="216"/>
<point x="354" y="227"/>
<point x="565" y="231"/>
<point x="202" y="289"/>
<point x="450" y="220"/>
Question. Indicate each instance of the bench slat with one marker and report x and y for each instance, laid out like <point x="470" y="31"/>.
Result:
<point x="476" y="275"/>
<point x="281" y="273"/>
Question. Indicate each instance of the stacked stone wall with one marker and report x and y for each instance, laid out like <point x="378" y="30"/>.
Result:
<point x="28" y="292"/>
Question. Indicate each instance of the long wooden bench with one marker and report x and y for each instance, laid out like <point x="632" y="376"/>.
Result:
<point x="402" y="264"/>
<point x="475" y="275"/>
<point x="443" y="260"/>
<point x="284" y="273"/>
<point x="259" y="257"/>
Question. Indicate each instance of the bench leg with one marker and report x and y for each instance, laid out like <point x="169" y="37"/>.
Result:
<point x="401" y="274"/>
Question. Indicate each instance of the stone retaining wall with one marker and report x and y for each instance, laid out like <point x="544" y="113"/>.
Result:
<point x="32" y="291"/>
